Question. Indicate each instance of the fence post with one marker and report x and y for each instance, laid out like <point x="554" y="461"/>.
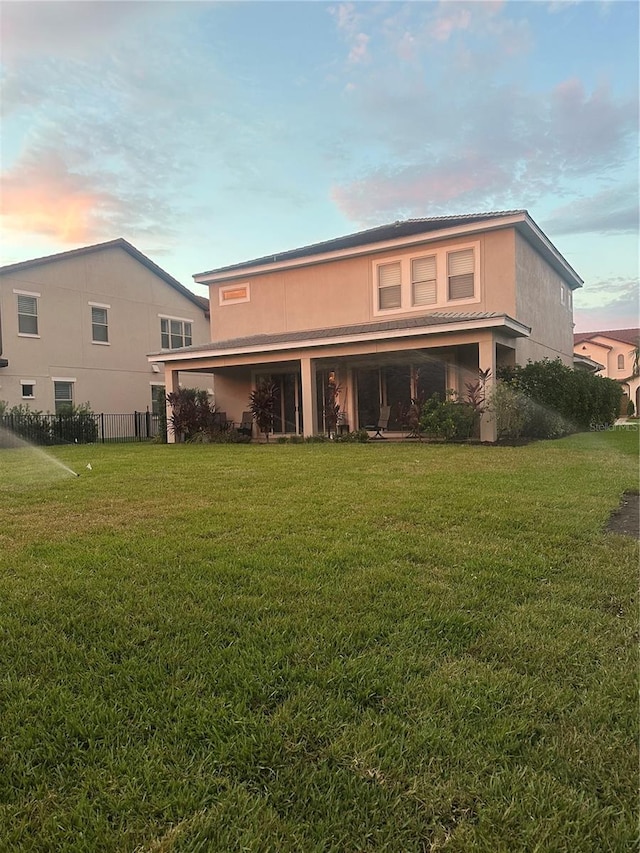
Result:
<point x="148" y="423"/>
<point x="102" y="425"/>
<point x="136" y="427"/>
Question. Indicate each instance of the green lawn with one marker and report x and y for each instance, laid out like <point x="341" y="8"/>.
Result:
<point x="305" y="648"/>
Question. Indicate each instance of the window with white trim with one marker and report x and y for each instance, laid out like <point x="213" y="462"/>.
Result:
<point x="27" y="314"/>
<point x="460" y="269"/>
<point x="423" y="281"/>
<point x="62" y="395"/>
<point x="99" y="324"/>
<point x="175" y="333"/>
<point x="28" y="389"/>
<point x="562" y="294"/>
<point x="389" y="286"/>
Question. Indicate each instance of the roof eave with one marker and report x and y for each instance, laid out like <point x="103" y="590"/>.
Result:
<point x="507" y="325"/>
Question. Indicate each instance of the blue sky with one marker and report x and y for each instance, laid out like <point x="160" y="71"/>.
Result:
<point x="210" y="133"/>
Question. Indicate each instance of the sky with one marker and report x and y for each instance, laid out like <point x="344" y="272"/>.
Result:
<point x="209" y="133"/>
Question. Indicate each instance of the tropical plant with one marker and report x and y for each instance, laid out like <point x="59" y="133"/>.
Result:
<point x="331" y="405"/>
<point x="262" y="404"/>
<point x="192" y="414"/>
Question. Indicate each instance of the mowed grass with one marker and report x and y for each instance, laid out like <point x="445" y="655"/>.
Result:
<point x="319" y="648"/>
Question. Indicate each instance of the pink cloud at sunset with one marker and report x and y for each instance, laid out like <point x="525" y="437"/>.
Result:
<point x="44" y="198"/>
<point x="407" y="189"/>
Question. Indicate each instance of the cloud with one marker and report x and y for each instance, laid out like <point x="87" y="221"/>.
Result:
<point x="613" y="210"/>
<point x="69" y="30"/>
<point x="481" y="145"/>
<point x="40" y="195"/>
<point x="607" y="304"/>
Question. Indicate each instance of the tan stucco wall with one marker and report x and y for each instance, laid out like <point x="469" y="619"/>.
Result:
<point x="111" y="378"/>
<point x="606" y="351"/>
<point x="538" y="305"/>
<point x="341" y="292"/>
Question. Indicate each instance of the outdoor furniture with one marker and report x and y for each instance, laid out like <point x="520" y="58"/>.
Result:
<point x="246" y="424"/>
<point x="220" y="421"/>
<point x="382" y="424"/>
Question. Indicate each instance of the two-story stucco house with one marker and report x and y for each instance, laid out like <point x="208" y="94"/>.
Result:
<point x="76" y="327"/>
<point x="396" y="313"/>
<point x="616" y="353"/>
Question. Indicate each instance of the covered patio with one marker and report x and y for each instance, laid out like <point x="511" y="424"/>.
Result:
<point x="373" y="366"/>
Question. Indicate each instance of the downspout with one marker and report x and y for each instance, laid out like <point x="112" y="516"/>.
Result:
<point x="3" y="361"/>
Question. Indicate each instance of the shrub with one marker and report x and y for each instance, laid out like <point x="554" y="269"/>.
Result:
<point x="631" y="409"/>
<point x="511" y="410"/>
<point x="76" y="424"/>
<point x="564" y="400"/>
<point x="448" y="419"/>
<point x="359" y="435"/>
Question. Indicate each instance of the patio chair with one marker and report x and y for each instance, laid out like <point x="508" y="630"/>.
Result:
<point x="382" y="424"/>
<point x="220" y="421"/>
<point x="246" y="424"/>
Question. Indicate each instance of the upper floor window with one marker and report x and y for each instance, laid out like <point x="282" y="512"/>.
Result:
<point x="63" y="395"/>
<point x="461" y="274"/>
<point x="28" y="313"/>
<point x="175" y="333"/>
<point x="99" y="324"/>
<point x="620" y="362"/>
<point x="28" y="389"/>
<point x="412" y="282"/>
<point x="423" y="281"/>
<point x="389" y="286"/>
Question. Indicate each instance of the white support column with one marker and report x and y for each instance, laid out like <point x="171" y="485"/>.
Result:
<point x="308" y="377"/>
<point x="487" y="361"/>
<point x="170" y="384"/>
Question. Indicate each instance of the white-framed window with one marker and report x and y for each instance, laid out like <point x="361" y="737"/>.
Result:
<point x="175" y="333"/>
<point x="62" y="394"/>
<point x="27" y="313"/>
<point x="28" y="388"/>
<point x="234" y="293"/>
<point x="424" y="289"/>
<point x="426" y="279"/>
<point x="99" y="323"/>
<point x="389" y="286"/>
<point x="562" y="294"/>
<point x="461" y="274"/>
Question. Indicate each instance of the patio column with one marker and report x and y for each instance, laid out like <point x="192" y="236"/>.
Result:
<point x="487" y="361"/>
<point x="171" y="384"/>
<point x="308" y="381"/>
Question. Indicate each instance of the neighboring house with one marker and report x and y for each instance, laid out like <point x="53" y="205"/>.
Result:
<point x="396" y="313"/>
<point x="76" y="328"/>
<point x="616" y="352"/>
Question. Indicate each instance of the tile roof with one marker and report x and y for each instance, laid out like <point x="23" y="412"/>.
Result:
<point x="421" y="322"/>
<point x="625" y="336"/>
<point x="380" y="233"/>
<point x="121" y="243"/>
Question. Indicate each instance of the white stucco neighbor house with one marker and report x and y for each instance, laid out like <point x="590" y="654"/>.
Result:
<point x="76" y="327"/>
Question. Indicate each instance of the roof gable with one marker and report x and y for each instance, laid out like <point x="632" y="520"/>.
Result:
<point x="621" y="336"/>
<point x="119" y="243"/>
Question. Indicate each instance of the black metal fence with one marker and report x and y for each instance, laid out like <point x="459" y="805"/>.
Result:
<point x="81" y="428"/>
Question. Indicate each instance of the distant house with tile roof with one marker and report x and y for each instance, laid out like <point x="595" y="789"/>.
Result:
<point x="391" y="314"/>
<point x="76" y="327"/>
<point x="615" y="350"/>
